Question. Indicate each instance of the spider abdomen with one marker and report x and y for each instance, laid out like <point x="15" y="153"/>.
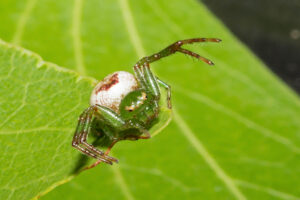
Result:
<point x="112" y="89"/>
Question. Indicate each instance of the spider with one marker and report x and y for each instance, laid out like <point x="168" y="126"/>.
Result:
<point x="123" y="101"/>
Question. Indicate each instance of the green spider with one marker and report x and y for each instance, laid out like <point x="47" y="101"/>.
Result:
<point x="123" y="101"/>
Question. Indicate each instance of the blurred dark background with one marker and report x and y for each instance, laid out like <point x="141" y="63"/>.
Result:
<point x="271" y="28"/>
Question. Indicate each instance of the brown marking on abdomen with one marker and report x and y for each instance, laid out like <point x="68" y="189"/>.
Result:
<point x="109" y="83"/>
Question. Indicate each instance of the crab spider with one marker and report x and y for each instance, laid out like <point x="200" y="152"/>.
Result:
<point x="123" y="101"/>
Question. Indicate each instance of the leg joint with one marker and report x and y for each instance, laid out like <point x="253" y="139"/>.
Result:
<point x="82" y="140"/>
<point x="178" y="43"/>
<point x="74" y="144"/>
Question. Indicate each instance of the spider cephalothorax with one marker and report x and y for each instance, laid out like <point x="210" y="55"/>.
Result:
<point x="123" y="101"/>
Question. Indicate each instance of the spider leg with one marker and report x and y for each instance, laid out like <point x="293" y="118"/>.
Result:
<point x="76" y="138"/>
<point x="140" y="76"/>
<point x="80" y="137"/>
<point x="176" y="47"/>
<point x="106" y="153"/>
<point x="168" y="88"/>
<point x="147" y="80"/>
<point x="83" y="141"/>
<point x="151" y="84"/>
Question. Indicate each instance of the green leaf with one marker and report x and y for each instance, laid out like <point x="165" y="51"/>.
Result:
<point x="40" y="104"/>
<point x="235" y="132"/>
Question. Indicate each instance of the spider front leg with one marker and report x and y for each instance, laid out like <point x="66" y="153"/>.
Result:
<point x="147" y="79"/>
<point x="177" y="47"/>
<point x="83" y="129"/>
<point x="150" y="83"/>
<point x="145" y="76"/>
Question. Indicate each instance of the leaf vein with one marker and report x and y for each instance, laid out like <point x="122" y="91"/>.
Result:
<point x="10" y="132"/>
<point x="17" y="37"/>
<point x="18" y="109"/>
<point x="268" y="190"/>
<point x="240" y="118"/>
<point x="156" y="172"/>
<point x="200" y="148"/>
<point x="77" y="43"/>
<point x="120" y="180"/>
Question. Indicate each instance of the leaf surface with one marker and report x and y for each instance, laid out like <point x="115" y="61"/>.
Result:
<point x="38" y="102"/>
<point x="235" y="132"/>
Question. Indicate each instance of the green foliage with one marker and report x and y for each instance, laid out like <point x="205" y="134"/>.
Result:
<point x="39" y="102"/>
<point x="235" y="132"/>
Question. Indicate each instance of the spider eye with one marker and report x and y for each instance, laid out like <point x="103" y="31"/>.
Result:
<point x="144" y="96"/>
<point x="129" y="108"/>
